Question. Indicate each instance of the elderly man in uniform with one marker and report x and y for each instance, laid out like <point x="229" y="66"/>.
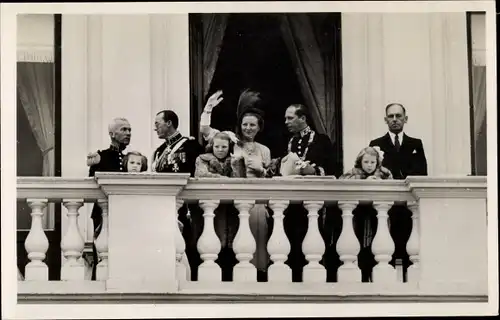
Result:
<point x="178" y="155"/>
<point x="108" y="160"/>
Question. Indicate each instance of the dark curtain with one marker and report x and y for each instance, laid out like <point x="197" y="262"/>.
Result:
<point x="313" y="40"/>
<point x="206" y="34"/>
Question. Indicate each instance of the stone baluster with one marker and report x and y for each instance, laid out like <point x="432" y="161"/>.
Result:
<point x="413" y="245"/>
<point x="101" y="243"/>
<point x="383" y="246"/>
<point x="180" y="246"/>
<point x="73" y="244"/>
<point x="244" y="245"/>
<point x="313" y="245"/>
<point x="278" y="245"/>
<point x="36" y="244"/>
<point x="209" y="244"/>
<point x="348" y="245"/>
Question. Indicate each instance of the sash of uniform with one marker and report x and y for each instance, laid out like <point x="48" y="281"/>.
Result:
<point x="166" y="156"/>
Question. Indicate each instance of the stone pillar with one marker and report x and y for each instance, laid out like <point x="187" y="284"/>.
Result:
<point x="142" y="227"/>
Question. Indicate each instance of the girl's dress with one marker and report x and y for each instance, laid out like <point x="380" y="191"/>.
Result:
<point x="259" y="212"/>
<point x="368" y="219"/>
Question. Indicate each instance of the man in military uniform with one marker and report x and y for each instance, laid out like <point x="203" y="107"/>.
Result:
<point x="315" y="152"/>
<point x="108" y="160"/>
<point x="178" y="154"/>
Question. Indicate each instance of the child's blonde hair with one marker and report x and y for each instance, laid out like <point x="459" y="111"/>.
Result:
<point x="370" y="151"/>
<point x="144" y="160"/>
<point x="223" y="136"/>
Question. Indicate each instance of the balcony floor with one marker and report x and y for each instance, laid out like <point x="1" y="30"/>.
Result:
<point x="193" y="292"/>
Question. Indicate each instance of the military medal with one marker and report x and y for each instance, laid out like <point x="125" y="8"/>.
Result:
<point x="303" y="156"/>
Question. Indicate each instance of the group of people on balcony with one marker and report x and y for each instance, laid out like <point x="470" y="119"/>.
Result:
<point x="237" y="154"/>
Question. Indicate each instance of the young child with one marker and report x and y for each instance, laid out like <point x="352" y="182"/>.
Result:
<point x="134" y="161"/>
<point x="219" y="161"/>
<point x="368" y="165"/>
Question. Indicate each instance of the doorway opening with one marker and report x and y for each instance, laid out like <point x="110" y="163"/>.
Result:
<point x="255" y="52"/>
<point x="255" y="56"/>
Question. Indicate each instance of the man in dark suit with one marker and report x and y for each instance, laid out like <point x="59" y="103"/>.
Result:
<point x="404" y="156"/>
<point x="108" y="160"/>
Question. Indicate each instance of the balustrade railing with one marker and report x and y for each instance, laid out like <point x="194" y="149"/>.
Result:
<point x="141" y="248"/>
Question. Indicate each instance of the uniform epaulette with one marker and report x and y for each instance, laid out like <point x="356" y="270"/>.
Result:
<point x="93" y="158"/>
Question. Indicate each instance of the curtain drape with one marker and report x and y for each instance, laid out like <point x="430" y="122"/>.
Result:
<point x="35" y="86"/>
<point x="479" y="102"/>
<point x="311" y="42"/>
<point x="214" y="27"/>
<point x="479" y="96"/>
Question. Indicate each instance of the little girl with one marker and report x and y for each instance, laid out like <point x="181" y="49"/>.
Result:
<point x="220" y="162"/>
<point x="368" y="165"/>
<point x="134" y="161"/>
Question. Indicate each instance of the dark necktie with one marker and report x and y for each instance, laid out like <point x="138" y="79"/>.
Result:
<point x="396" y="143"/>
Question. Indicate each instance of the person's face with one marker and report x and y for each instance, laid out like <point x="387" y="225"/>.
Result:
<point x="162" y="128"/>
<point x="134" y="163"/>
<point x="221" y="148"/>
<point x="369" y="163"/>
<point x="395" y="118"/>
<point x="122" y="133"/>
<point x="292" y="121"/>
<point x="250" y="127"/>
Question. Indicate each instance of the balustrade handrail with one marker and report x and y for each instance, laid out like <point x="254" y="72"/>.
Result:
<point x="261" y="190"/>
<point x="58" y="188"/>
<point x="295" y="189"/>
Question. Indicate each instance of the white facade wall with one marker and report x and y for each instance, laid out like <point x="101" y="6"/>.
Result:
<point x="128" y="66"/>
<point x="419" y="60"/>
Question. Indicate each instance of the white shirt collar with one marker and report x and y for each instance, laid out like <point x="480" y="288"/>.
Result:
<point x="400" y="136"/>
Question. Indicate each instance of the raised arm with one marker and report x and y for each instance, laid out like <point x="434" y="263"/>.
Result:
<point x="206" y="115"/>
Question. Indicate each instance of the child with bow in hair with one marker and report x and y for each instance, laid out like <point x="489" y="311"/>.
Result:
<point x="368" y="165"/>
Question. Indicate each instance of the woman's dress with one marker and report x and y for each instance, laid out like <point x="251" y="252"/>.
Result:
<point x="259" y="212"/>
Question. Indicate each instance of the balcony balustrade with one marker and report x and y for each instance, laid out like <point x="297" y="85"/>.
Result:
<point x="141" y="248"/>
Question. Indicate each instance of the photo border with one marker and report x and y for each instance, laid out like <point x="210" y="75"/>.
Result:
<point x="8" y="165"/>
